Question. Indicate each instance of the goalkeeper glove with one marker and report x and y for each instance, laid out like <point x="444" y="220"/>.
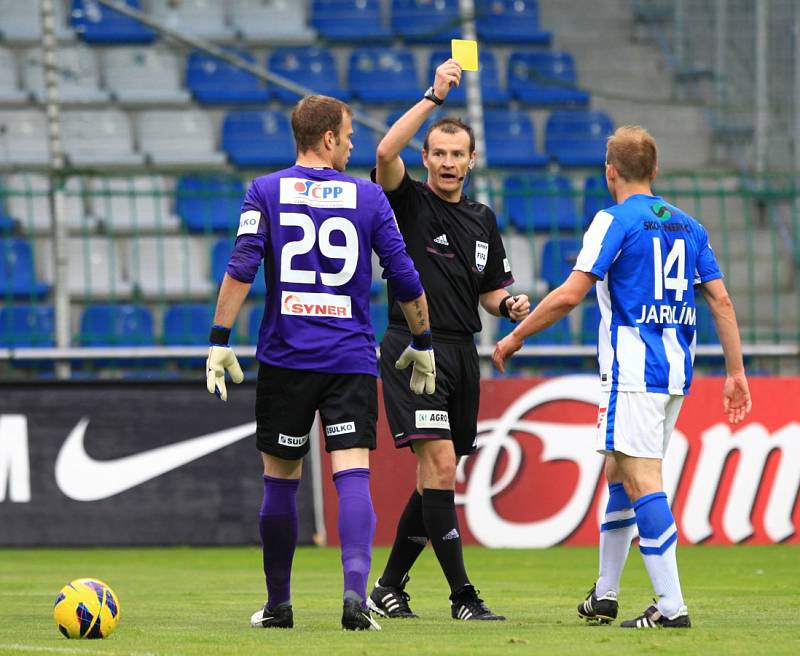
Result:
<point x="419" y="354"/>
<point x="220" y="358"/>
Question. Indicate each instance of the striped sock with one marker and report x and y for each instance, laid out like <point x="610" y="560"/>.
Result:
<point x="658" y="538"/>
<point x="616" y="533"/>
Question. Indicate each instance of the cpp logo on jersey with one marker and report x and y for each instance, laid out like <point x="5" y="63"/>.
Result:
<point x="481" y="255"/>
<point x="318" y="193"/>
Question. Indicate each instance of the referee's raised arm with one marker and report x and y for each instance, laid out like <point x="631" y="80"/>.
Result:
<point x="389" y="166"/>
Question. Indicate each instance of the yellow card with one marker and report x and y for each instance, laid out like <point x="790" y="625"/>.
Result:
<point x="465" y="53"/>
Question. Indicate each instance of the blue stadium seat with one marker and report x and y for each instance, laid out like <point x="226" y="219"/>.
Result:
<point x="558" y="259"/>
<point x="590" y="322"/>
<point x="311" y="67"/>
<point x="379" y="75"/>
<point x="365" y="142"/>
<point x="510" y="139"/>
<point x="379" y="318"/>
<point x="254" y="323"/>
<point x="411" y="156"/>
<point x="220" y="254"/>
<point x="96" y="23"/>
<point x="117" y="325"/>
<point x="426" y="21"/>
<point x="208" y="203"/>
<point x="17" y="274"/>
<point x="214" y="81"/>
<point x="187" y="324"/>
<point x="253" y="138"/>
<point x="544" y="78"/>
<point x="27" y="326"/>
<point x="706" y="329"/>
<point x="556" y="335"/>
<point x="491" y="93"/>
<point x="595" y="197"/>
<point x="539" y="203"/>
<point x="510" y="21"/>
<point x="349" y="20"/>
<point x="577" y="138"/>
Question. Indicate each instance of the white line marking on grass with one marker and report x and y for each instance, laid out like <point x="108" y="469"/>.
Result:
<point x="73" y="650"/>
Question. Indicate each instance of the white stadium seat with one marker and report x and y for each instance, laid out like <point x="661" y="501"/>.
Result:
<point x="23" y="137"/>
<point x="520" y="250"/>
<point x="96" y="266"/>
<point x="139" y="204"/>
<point x="99" y="137"/>
<point x="78" y="79"/>
<point x="20" y="21"/>
<point x="178" y="137"/>
<point x="29" y="203"/>
<point x="276" y="21"/>
<point x="203" y="18"/>
<point x="143" y="75"/>
<point x="10" y="93"/>
<point x="171" y="267"/>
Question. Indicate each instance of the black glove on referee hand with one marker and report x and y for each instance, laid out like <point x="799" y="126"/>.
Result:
<point x="419" y="354"/>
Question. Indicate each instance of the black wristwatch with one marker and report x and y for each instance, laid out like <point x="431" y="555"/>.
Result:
<point x="430" y="95"/>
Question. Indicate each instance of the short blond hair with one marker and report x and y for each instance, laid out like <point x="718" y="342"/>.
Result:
<point x="632" y="151"/>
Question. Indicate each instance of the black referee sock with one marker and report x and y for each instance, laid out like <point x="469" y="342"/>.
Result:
<point x="441" y="522"/>
<point x="408" y="544"/>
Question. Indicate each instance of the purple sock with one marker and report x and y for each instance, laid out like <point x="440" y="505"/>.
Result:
<point x="277" y="523"/>
<point x="356" y="529"/>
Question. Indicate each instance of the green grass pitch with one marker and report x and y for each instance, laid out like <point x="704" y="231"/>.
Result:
<point x="187" y="601"/>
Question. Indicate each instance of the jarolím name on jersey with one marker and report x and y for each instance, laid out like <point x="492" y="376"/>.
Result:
<point x="668" y="315"/>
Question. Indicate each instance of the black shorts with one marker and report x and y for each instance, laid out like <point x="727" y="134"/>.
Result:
<point x="451" y="413"/>
<point x="287" y="399"/>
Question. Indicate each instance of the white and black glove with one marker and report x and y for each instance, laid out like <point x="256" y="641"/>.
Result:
<point x="419" y="354"/>
<point x="221" y="358"/>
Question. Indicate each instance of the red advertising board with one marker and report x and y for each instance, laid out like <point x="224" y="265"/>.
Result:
<point x="536" y="480"/>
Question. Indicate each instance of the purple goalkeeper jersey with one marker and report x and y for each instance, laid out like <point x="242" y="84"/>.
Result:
<point x="315" y="229"/>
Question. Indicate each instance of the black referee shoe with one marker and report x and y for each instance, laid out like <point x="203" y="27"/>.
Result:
<point x="653" y="619"/>
<point x="602" y="610"/>
<point x="280" y="617"/>
<point x="390" y="601"/>
<point x="467" y="605"/>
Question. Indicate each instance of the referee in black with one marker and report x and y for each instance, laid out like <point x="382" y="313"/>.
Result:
<point x="456" y="247"/>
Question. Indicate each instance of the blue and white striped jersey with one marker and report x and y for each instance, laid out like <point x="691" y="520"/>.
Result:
<point x="648" y="255"/>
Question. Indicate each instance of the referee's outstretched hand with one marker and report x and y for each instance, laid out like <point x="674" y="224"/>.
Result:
<point x="448" y="75"/>
<point x="423" y="374"/>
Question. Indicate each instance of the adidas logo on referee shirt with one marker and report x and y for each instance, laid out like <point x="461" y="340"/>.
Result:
<point x="442" y="239"/>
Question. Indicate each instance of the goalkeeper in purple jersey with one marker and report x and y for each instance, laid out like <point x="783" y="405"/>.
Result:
<point x="315" y="229"/>
<point x="646" y="258"/>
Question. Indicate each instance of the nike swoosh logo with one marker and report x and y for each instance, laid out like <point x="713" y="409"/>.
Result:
<point x="82" y="478"/>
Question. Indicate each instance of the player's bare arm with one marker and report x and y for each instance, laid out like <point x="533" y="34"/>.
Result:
<point x="517" y="306"/>
<point x="736" y="399"/>
<point x="419" y="354"/>
<point x="552" y="308"/>
<point x="416" y="314"/>
<point x="220" y="356"/>
<point x="389" y="166"/>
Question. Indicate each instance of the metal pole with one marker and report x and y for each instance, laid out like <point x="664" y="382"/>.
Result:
<point x="720" y="60"/>
<point x="761" y="88"/>
<point x="56" y="186"/>
<point x="797" y="93"/>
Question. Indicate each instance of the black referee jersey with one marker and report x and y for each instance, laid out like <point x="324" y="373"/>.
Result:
<point x="458" y="253"/>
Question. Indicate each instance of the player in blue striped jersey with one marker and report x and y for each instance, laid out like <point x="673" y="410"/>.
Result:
<point x="646" y="258"/>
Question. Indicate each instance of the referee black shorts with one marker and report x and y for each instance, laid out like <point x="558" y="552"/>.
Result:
<point x="287" y="399"/>
<point x="451" y="413"/>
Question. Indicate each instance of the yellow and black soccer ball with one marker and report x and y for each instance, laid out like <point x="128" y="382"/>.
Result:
<point x="86" y="608"/>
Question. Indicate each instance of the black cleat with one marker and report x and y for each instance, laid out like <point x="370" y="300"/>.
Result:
<point x="653" y="619"/>
<point x="467" y="605"/>
<point x="390" y="601"/>
<point x="601" y="610"/>
<point x="355" y="618"/>
<point x="280" y="617"/>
